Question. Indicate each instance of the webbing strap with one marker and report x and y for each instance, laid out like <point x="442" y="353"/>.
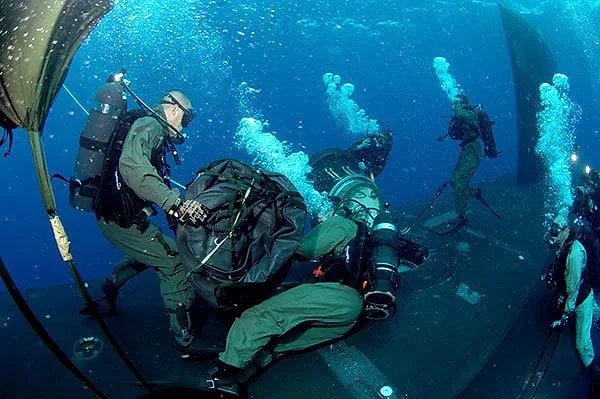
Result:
<point x="92" y="145"/>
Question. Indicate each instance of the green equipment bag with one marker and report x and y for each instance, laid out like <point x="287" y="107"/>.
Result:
<point x="245" y="247"/>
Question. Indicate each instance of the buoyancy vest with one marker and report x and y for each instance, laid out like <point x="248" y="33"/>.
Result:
<point x="466" y="127"/>
<point x="476" y="125"/>
<point x="350" y="267"/>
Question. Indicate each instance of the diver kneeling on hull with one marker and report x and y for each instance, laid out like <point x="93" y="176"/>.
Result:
<point x="348" y="177"/>
<point x="354" y="260"/>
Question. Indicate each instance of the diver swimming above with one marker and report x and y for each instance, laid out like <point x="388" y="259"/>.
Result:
<point x="471" y="126"/>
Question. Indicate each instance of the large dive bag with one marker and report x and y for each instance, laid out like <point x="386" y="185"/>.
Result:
<point x="244" y="249"/>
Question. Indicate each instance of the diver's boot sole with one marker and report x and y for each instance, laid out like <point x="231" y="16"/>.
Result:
<point x="195" y="352"/>
<point x="101" y="306"/>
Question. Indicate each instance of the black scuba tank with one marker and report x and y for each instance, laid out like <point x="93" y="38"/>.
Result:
<point x="110" y="105"/>
<point x="384" y="263"/>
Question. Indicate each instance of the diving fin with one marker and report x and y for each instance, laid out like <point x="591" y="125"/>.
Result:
<point x="449" y="226"/>
<point x="194" y="387"/>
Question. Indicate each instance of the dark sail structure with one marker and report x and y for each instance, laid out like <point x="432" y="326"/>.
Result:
<point x="532" y="64"/>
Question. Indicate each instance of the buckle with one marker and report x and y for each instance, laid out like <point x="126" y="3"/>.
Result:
<point x="211" y="383"/>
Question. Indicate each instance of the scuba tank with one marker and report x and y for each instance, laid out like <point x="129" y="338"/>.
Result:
<point x="384" y="263"/>
<point x="110" y="105"/>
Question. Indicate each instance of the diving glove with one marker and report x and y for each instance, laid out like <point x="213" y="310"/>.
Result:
<point x="190" y="212"/>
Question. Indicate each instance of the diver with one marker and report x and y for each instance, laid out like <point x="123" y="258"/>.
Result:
<point x="587" y="199"/>
<point x="346" y="267"/>
<point x="298" y="318"/>
<point x="132" y="183"/>
<point x="349" y="174"/>
<point x="367" y="156"/>
<point x="573" y="274"/>
<point x="471" y="126"/>
<point x="351" y="271"/>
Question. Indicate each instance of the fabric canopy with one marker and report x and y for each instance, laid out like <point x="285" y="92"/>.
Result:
<point x="38" y="39"/>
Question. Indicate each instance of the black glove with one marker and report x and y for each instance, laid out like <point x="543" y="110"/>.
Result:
<point x="190" y="212"/>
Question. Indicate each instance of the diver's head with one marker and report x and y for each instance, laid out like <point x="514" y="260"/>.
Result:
<point x="591" y="178"/>
<point x="356" y="197"/>
<point x="179" y="112"/>
<point x="460" y="100"/>
<point x="373" y="150"/>
<point x="558" y="233"/>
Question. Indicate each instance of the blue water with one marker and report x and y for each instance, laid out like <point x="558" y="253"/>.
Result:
<point x="384" y="48"/>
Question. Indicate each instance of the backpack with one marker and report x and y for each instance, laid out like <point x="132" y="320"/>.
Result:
<point x="114" y="200"/>
<point x="244" y="249"/>
<point x="486" y="133"/>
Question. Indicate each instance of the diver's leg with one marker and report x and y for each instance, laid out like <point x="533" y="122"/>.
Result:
<point x="152" y="247"/>
<point x="466" y="166"/>
<point x="331" y="307"/>
<point x="125" y="270"/>
<point x="335" y="308"/>
<point x="583" y="325"/>
<point x="330" y="236"/>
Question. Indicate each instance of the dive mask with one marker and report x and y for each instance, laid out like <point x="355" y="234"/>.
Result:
<point x="188" y="113"/>
<point x="552" y="235"/>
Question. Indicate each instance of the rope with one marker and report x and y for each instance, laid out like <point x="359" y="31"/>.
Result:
<point x="43" y="333"/>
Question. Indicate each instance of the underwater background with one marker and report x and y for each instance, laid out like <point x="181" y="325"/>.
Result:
<point x="281" y="50"/>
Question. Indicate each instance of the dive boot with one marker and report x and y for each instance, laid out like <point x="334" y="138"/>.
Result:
<point x="110" y="291"/>
<point x="105" y="305"/>
<point x="223" y="379"/>
<point x="181" y="325"/>
<point x="197" y="352"/>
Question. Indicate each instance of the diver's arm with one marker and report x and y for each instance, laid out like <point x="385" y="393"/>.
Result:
<point x="576" y="261"/>
<point x="144" y="137"/>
